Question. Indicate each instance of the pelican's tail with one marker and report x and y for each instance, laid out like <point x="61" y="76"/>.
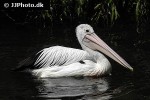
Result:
<point x="27" y="63"/>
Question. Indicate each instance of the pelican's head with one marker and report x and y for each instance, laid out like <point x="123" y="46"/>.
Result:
<point x="89" y="40"/>
<point x="82" y="30"/>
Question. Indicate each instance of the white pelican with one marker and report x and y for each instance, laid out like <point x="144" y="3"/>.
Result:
<point x="59" y="61"/>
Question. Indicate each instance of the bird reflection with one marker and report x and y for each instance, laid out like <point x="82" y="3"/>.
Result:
<point x="74" y="87"/>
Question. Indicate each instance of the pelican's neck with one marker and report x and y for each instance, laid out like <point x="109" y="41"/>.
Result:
<point x="103" y="66"/>
<point x="94" y="54"/>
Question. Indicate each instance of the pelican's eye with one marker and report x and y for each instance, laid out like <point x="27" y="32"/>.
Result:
<point x="87" y="30"/>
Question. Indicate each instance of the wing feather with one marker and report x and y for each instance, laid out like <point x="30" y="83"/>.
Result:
<point x="58" y="55"/>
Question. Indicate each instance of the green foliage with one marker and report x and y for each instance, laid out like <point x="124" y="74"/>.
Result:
<point x="97" y="11"/>
<point x="142" y="13"/>
<point x="105" y="12"/>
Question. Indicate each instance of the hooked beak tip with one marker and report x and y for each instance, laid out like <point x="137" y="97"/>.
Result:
<point x="131" y="69"/>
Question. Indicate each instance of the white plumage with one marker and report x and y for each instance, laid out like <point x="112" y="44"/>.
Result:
<point x="59" y="61"/>
<point x="59" y="55"/>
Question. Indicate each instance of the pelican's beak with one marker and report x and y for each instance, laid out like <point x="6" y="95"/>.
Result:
<point x="95" y="43"/>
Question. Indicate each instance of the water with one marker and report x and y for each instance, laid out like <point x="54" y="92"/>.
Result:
<point x="18" y="42"/>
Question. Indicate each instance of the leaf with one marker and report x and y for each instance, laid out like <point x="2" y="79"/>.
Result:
<point x="137" y="11"/>
<point x="98" y="6"/>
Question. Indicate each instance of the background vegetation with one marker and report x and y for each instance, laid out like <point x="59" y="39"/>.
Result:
<point x="107" y="14"/>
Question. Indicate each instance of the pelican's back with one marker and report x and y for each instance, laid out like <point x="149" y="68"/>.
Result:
<point x="59" y="55"/>
<point x="53" y="56"/>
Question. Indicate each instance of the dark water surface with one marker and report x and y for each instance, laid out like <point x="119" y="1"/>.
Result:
<point x="18" y="42"/>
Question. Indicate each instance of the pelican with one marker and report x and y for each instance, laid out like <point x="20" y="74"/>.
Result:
<point x="59" y="61"/>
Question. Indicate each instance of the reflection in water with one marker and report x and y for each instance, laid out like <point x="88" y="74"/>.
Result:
<point x="86" y="87"/>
